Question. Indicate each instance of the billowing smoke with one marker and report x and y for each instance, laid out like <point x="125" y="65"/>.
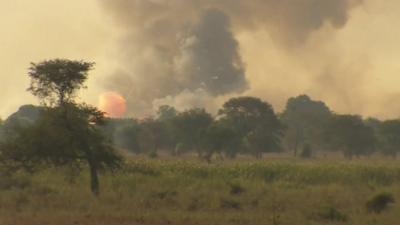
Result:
<point x="175" y="48"/>
<point x="209" y="57"/>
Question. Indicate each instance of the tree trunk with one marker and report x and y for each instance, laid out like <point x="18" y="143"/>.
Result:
<point x="94" y="179"/>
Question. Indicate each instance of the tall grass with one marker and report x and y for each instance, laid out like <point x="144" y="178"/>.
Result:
<point x="189" y="192"/>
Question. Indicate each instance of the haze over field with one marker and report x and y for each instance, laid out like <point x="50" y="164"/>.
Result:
<point x="199" y="53"/>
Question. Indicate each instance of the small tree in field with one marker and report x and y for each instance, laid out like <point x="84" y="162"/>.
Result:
<point x="66" y="133"/>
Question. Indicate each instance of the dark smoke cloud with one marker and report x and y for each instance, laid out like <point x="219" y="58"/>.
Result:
<point x="209" y="57"/>
<point x="172" y="47"/>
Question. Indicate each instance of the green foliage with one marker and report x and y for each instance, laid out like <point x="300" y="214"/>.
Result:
<point x="349" y="134"/>
<point x="236" y="189"/>
<point x="220" y="138"/>
<point x="25" y="116"/>
<point x="380" y="202"/>
<point x="56" y="81"/>
<point x="151" y="136"/>
<point x="66" y="134"/>
<point x="255" y="122"/>
<point x="190" y="127"/>
<point x="126" y="136"/>
<point x="192" y="192"/>
<point x="389" y="135"/>
<point x="153" y="155"/>
<point x="62" y="136"/>
<point x="166" y="112"/>
<point x="331" y="214"/>
<point x="230" y="204"/>
<point x="305" y="120"/>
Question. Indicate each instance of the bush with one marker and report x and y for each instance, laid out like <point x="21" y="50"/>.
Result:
<point x="8" y="182"/>
<point x="236" y="189"/>
<point x="230" y="204"/>
<point x="380" y="202"/>
<point x="153" y="155"/>
<point x="331" y="214"/>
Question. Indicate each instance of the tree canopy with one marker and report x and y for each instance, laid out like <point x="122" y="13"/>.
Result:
<point x="255" y="123"/>
<point x="305" y="120"/>
<point x="57" y="81"/>
<point x="389" y="135"/>
<point x="349" y="134"/>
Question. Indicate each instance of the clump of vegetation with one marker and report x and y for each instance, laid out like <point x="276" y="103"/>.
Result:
<point x="153" y="155"/>
<point x="230" y="204"/>
<point x="165" y="194"/>
<point x="380" y="202"/>
<point x="236" y="189"/>
<point x="8" y="182"/>
<point x="330" y="213"/>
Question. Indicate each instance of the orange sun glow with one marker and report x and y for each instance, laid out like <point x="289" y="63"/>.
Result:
<point x="113" y="104"/>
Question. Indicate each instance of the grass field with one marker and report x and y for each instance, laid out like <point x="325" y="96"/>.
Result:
<point x="151" y="192"/>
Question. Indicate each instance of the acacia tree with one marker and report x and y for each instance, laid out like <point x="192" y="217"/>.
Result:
<point x="56" y="82"/>
<point x="66" y="133"/>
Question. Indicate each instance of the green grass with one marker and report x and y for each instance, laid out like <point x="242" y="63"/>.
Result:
<point x="187" y="192"/>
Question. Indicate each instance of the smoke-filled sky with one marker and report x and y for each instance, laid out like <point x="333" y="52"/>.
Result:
<point x="201" y="52"/>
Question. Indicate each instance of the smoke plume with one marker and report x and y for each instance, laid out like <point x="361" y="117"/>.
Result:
<point x="175" y="48"/>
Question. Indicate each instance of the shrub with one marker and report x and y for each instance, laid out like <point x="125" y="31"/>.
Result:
<point x="236" y="189"/>
<point x="153" y="155"/>
<point x="331" y="214"/>
<point x="380" y="202"/>
<point x="8" y="182"/>
<point x="230" y="204"/>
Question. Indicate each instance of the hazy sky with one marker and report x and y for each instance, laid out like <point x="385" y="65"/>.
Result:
<point x="354" y="68"/>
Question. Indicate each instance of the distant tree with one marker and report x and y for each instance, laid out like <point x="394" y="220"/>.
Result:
<point x="28" y="112"/>
<point x="112" y="125"/>
<point x="67" y="133"/>
<point x="390" y="137"/>
<point x="305" y="120"/>
<point x="166" y="115"/>
<point x="374" y="123"/>
<point x="349" y="134"/>
<point x="151" y="136"/>
<point x="126" y="136"/>
<point x="190" y="127"/>
<point x="1" y="128"/>
<point x="166" y="112"/>
<point x="220" y="139"/>
<point x="25" y="116"/>
<point x="255" y="123"/>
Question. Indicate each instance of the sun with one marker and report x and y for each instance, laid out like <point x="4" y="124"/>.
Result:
<point x="113" y="104"/>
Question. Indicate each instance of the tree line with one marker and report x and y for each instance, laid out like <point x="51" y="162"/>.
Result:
<point x="64" y="132"/>
<point x="249" y="126"/>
